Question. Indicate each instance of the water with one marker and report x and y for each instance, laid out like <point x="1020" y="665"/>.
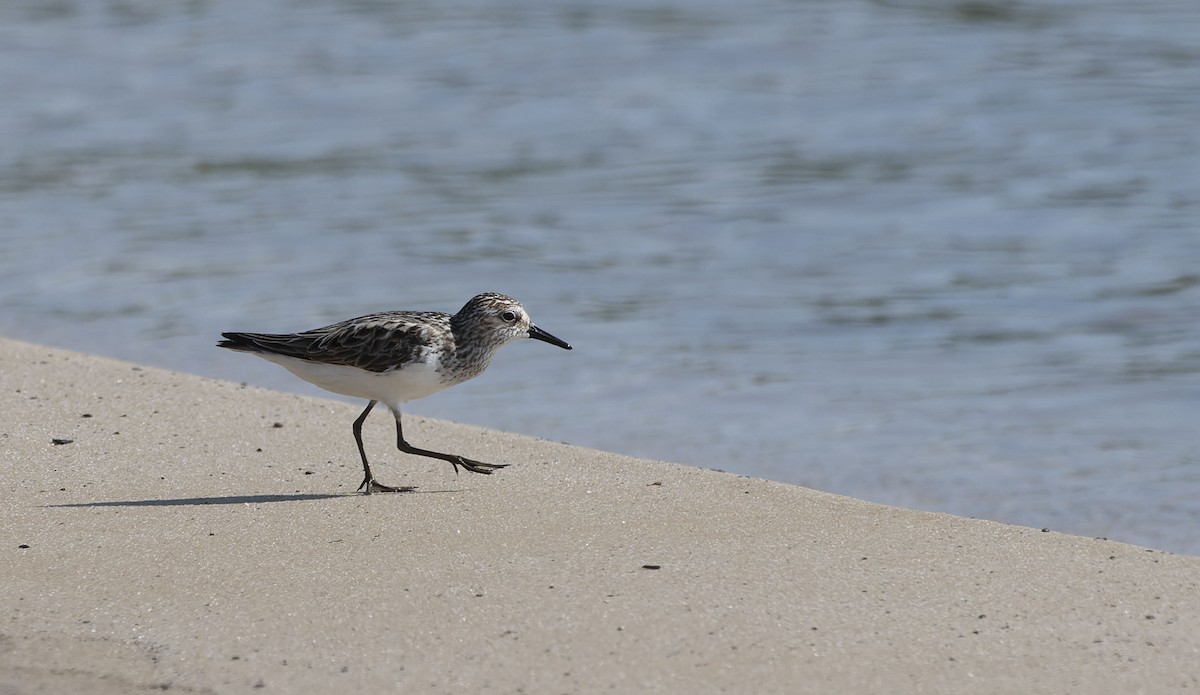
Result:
<point x="944" y="255"/>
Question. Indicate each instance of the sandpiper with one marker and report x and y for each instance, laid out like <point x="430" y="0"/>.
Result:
<point x="398" y="356"/>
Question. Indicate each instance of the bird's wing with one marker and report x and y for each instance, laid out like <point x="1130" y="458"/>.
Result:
<point x="376" y="343"/>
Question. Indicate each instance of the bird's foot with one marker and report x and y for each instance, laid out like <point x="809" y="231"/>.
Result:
<point x="369" y="485"/>
<point x="475" y="466"/>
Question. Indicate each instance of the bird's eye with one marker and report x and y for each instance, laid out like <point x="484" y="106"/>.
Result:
<point x="509" y="316"/>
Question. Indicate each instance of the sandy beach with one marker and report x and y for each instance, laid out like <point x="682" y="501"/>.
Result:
<point x="193" y="535"/>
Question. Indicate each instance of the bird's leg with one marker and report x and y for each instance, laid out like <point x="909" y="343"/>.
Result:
<point x="368" y="484"/>
<point x="453" y="459"/>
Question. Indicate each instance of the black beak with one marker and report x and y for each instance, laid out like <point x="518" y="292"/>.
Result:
<point x="538" y="334"/>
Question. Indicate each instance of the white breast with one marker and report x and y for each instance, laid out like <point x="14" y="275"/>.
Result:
<point x="415" y="380"/>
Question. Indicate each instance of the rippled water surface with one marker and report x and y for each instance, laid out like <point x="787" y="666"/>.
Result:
<point x="943" y="255"/>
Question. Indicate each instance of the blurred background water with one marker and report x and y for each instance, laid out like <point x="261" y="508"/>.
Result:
<point x="934" y="253"/>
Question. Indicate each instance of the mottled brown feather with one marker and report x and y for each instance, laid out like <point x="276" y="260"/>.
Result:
<point x="375" y="342"/>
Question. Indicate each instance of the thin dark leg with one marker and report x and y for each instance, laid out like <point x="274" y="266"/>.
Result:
<point x="452" y="459"/>
<point x="368" y="484"/>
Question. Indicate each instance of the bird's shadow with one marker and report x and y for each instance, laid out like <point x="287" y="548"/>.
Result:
<point x="231" y="499"/>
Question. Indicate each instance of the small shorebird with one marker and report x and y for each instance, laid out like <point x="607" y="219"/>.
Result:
<point x="398" y="356"/>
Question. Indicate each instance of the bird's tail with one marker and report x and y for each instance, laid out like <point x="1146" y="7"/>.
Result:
<point x="239" y="341"/>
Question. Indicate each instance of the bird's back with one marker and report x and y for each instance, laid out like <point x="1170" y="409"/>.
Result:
<point x="376" y="342"/>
